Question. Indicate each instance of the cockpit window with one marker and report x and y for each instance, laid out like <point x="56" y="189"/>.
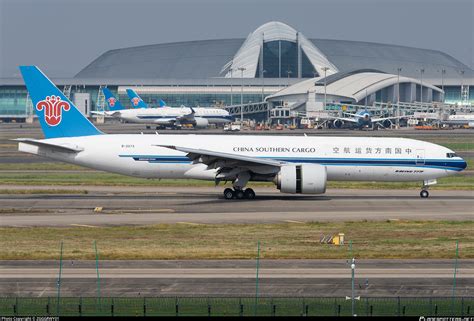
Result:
<point x="451" y="155"/>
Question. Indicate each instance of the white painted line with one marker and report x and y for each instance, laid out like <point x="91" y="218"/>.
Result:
<point x="83" y="225"/>
<point x="297" y="222"/>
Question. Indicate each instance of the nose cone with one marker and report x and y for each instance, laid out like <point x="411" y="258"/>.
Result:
<point x="463" y="164"/>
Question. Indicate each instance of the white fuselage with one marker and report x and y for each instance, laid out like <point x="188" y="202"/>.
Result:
<point x="167" y="115"/>
<point x="346" y="158"/>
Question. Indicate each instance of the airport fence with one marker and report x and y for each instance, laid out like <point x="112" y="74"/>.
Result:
<point x="236" y="306"/>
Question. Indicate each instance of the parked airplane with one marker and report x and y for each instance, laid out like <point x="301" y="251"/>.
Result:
<point x="137" y="101"/>
<point x="167" y="116"/>
<point x="296" y="164"/>
<point x="113" y="103"/>
<point x="363" y="119"/>
<point x="459" y="120"/>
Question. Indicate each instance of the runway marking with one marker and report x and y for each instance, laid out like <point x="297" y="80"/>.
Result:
<point x="297" y="222"/>
<point x="83" y="225"/>
<point x="189" y="223"/>
<point x="158" y="210"/>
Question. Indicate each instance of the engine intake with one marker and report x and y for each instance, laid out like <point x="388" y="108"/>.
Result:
<point x="200" y="122"/>
<point x="302" y="179"/>
<point x="338" y="123"/>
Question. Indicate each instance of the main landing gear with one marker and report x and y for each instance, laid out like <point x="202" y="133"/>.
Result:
<point x="239" y="194"/>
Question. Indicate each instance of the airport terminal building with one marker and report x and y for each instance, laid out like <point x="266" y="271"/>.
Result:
<point x="274" y="65"/>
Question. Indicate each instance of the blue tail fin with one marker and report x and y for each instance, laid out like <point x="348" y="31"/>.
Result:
<point x="137" y="102"/>
<point x="162" y="103"/>
<point x="57" y="115"/>
<point x="112" y="102"/>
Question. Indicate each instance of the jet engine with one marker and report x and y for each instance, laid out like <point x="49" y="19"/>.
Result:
<point x="200" y="122"/>
<point x="338" y="123"/>
<point x="387" y="123"/>
<point x="302" y="179"/>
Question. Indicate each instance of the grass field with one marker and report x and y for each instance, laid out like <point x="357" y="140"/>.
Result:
<point x="371" y="239"/>
<point x="234" y="306"/>
<point x="57" y="174"/>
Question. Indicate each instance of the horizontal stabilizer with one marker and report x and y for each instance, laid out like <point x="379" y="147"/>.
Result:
<point x="68" y="148"/>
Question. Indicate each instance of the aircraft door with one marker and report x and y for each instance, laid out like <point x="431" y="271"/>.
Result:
<point x="420" y="157"/>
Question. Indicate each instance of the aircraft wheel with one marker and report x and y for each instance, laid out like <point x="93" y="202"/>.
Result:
<point x="228" y="193"/>
<point x="424" y="194"/>
<point x="249" y="194"/>
<point x="239" y="194"/>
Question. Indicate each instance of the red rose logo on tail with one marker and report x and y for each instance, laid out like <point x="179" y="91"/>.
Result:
<point x="135" y="101"/>
<point x="53" y="107"/>
<point x="111" y="101"/>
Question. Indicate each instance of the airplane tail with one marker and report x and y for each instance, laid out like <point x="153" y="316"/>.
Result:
<point x="113" y="103"/>
<point x="57" y="114"/>
<point x="162" y="103"/>
<point x="137" y="102"/>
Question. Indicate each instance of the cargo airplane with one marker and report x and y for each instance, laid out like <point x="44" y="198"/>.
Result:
<point x="296" y="164"/>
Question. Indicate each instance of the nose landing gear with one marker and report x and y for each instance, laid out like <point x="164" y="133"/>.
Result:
<point x="424" y="190"/>
<point x="424" y="193"/>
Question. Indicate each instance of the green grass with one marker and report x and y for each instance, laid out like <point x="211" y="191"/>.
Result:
<point x="93" y="178"/>
<point x="49" y="166"/>
<point x="42" y="191"/>
<point x="235" y="306"/>
<point x="456" y="146"/>
<point x="371" y="239"/>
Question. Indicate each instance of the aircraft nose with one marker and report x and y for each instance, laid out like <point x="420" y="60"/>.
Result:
<point x="463" y="163"/>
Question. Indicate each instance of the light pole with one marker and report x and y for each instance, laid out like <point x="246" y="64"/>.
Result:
<point x="352" y="295"/>
<point x="462" y="87"/>
<point x="443" y="72"/>
<point x="263" y="84"/>
<point x="242" y="96"/>
<point x="325" y="84"/>
<point x="289" y="72"/>
<point x="231" y="87"/>
<point x="398" y="96"/>
<point x="422" y="71"/>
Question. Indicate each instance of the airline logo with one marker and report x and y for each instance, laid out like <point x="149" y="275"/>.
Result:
<point x="53" y="107"/>
<point x="111" y="101"/>
<point x="135" y="101"/>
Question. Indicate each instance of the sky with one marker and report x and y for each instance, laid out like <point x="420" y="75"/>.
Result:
<point x="63" y="36"/>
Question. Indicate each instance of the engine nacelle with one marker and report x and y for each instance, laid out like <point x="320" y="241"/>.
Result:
<point x="302" y="179"/>
<point x="338" y="123"/>
<point x="387" y="123"/>
<point x="200" y="122"/>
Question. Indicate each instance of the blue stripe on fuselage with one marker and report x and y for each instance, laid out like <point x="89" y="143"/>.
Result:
<point x="456" y="165"/>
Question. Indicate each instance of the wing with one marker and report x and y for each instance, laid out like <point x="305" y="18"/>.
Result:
<point x="215" y="159"/>
<point x="187" y="117"/>
<point x="375" y="120"/>
<point x="352" y="120"/>
<point x="63" y="148"/>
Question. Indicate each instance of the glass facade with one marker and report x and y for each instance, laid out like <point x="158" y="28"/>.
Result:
<point x="13" y="98"/>
<point x="13" y="101"/>
<point x="452" y="94"/>
<point x="280" y="60"/>
<point x="194" y="99"/>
